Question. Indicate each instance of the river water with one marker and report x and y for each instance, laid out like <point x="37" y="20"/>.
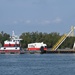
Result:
<point x="37" y="64"/>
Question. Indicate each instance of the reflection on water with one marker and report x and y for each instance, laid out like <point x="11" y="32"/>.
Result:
<point x="37" y="64"/>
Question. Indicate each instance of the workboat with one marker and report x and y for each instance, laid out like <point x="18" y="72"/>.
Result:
<point x="11" y="46"/>
<point x="37" y="46"/>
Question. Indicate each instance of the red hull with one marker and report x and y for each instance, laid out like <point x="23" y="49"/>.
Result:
<point x="36" y="48"/>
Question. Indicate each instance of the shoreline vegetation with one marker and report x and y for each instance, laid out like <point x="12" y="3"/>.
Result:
<point x="31" y="37"/>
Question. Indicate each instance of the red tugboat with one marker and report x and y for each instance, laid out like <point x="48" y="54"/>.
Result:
<point x="11" y="46"/>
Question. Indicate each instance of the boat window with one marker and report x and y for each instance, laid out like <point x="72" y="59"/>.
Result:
<point x="16" y="48"/>
<point x="13" y="40"/>
<point x="4" y="48"/>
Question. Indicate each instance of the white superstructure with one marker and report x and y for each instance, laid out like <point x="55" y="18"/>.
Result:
<point x="37" y="46"/>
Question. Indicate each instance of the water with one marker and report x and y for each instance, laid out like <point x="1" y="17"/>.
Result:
<point x="37" y="64"/>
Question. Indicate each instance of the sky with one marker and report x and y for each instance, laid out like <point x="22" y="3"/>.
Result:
<point x="45" y="16"/>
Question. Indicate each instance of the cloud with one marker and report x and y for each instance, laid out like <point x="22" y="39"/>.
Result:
<point x="57" y="20"/>
<point x="15" y="22"/>
<point x="45" y="22"/>
<point x="54" y="21"/>
<point x="28" y="21"/>
<point x="21" y="22"/>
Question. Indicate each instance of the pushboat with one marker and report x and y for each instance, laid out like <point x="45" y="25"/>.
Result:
<point x="11" y="46"/>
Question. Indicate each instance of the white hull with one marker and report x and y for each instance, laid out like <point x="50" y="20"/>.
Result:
<point x="10" y="48"/>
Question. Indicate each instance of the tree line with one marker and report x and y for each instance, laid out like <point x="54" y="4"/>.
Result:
<point x="31" y="37"/>
<point x="49" y="38"/>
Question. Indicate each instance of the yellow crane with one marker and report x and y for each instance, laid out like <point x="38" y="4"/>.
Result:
<point x="62" y="39"/>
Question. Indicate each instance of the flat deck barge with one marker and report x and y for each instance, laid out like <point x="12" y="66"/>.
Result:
<point x="48" y="51"/>
<point x="61" y="51"/>
<point x="39" y="52"/>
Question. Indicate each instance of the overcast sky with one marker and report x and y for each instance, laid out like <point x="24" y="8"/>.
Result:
<point x="37" y="15"/>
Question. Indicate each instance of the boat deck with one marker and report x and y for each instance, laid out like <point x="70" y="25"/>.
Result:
<point x="49" y="51"/>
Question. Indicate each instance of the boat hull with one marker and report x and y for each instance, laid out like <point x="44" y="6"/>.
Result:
<point x="11" y="50"/>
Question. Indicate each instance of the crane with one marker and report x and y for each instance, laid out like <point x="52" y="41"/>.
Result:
<point x="62" y="39"/>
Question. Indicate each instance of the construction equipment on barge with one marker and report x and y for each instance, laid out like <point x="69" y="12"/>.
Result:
<point x="62" y="39"/>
